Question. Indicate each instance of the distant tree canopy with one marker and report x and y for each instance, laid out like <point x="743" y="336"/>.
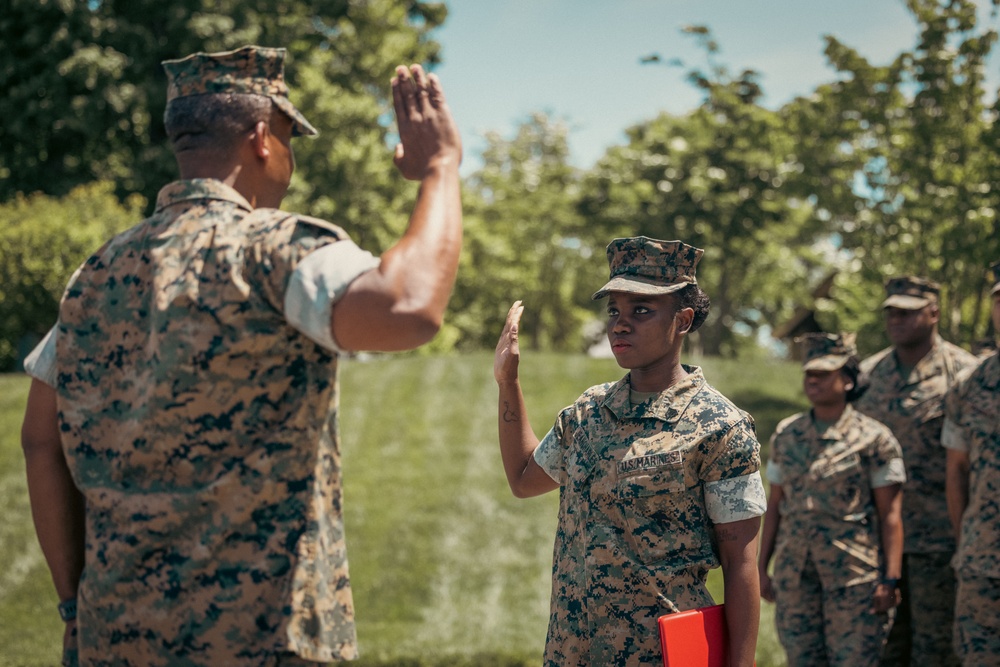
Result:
<point x="42" y="242"/>
<point x="84" y="91"/>
<point x="883" y="170"/>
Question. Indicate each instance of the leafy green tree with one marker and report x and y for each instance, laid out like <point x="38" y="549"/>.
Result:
<point x="716" y="178"/>
<point x="84" y="92"/>
<point x="902" y="161"/>
<point x="524" y="240"/>
<point x="43" y="240"/>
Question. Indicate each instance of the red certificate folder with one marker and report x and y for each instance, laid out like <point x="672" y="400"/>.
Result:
<point x="695" y="638"/>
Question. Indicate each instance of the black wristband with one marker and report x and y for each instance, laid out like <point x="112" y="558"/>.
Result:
<point x="889" y="581"/>
<point x="67" y="610"/>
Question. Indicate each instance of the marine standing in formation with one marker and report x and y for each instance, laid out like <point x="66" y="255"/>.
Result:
<point x="181" y="436"/>
<point x="833" y="522"/>
<point x="907" y="386"/>
<point x="658" y="474"/>
<point x="972" y="438"/>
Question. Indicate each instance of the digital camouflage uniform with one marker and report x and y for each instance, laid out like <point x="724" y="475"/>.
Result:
<point x="641" y="489"/>
<point x="913" y="409"/>
<point x="197" y="391"/>
<point x="972" y="424"/>
<point x="828" y="552"/>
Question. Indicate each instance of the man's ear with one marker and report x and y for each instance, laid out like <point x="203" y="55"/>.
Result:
<point x="685" y="318"/>
<point x="259" y="140"/>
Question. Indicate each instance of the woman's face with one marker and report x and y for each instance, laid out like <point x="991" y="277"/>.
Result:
<point x="826" y="387"/>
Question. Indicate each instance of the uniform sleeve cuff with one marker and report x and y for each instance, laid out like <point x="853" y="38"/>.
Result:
<point x="736" y="498"/>
<point x="41" y="362"/>
<point x="318" y="282"/>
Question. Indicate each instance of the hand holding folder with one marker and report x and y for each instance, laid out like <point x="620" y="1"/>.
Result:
<point x="695" y="638"/>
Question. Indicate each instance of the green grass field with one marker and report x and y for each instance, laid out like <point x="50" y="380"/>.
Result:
<point x="447" y="567"/>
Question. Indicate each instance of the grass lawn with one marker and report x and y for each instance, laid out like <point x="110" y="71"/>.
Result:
<point x="447" y="567"/>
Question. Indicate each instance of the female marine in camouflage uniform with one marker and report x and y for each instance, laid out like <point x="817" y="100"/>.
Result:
<point x="833" y="519"/>
<point x="658" y="474"/>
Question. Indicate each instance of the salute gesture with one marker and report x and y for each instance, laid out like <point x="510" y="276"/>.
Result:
<point x="427" y="132"/>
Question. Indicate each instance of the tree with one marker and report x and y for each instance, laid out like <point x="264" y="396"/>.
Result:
<point x="42" y="242"/>
<point x="902" y="160"/>
<point x="84" y="92"/>
<point x="524" y="240"/>
<point x="715" y="178"/>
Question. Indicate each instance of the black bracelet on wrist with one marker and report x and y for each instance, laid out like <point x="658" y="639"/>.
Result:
<point x="891" y="582"/>
<point x="67" y="610"/>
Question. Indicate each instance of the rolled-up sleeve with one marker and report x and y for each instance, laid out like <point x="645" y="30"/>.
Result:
<point x="736" y="498"/>
<point x="318" y="282"/>
<point x="41" y="362"/>
<point x="893" y="472"/>
<point x="549" y="457"/>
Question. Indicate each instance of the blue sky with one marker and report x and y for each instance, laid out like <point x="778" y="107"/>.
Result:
<point x="578" y="60"/>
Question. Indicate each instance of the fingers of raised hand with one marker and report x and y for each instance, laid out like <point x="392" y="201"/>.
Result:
<point x="514" y="318"/>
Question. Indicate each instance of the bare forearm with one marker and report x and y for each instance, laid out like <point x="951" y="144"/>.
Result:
<point x="737" y="551"/>
<point x="517" y="439"/>
<point x="57" y="511"/>
<point x="769" y="533"/>
<point x="742" y="611"/>
<point x="957" y="489"/>
<point x="423" y="264"/>
<point x="892" y="546"/>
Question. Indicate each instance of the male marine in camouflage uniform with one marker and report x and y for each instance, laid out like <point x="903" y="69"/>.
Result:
<point x="972" y="437"/>
<point x="833" y="519"/>
<point x="187" y="396"/>
<point x="907" y="386"/>
<point x="659" y="474"/>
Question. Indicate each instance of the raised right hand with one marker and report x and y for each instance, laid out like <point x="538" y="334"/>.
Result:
<point x="427" y="132"/>
<point x="508" y="354"/>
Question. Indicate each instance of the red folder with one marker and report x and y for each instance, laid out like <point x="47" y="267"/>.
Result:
<point x="695" y="638"/>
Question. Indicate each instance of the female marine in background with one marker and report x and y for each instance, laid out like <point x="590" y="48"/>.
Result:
<point x="833" y="521"/>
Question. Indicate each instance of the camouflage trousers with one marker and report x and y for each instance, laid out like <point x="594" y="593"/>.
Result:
<point x="826" y="628"/>
<point x="922" y="634"/>
<point x="977" y="621"/>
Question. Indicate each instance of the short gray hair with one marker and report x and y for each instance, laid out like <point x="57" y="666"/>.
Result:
<point x="214" y="121"/>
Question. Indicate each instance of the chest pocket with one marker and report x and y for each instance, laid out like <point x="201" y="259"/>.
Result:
<point x="662" y="520"/>
<point x="841" y="485"/>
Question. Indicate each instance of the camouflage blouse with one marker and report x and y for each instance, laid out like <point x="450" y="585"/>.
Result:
<point x="198" y="411"/>
<point x="972" y="424"/>
<point x="827" y="511"/>
<point x="913" y="409"/>
<point x="642" y="487"/>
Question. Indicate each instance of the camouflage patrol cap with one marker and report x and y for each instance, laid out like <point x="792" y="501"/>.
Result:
<point x="251" y="70"/>
<point x="910" y="292"/>
<point x="827" y="352"/>
<point x="995" y="272"/>
<point x="642" y="265"/>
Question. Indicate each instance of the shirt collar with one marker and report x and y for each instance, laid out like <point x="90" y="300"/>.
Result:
<point x="199" y="189"/>
<point x="929" y="365"/>
<point x="837" y="429"/>
<point x="668" y="406"/>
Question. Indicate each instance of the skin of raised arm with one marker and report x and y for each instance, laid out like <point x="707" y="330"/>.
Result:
<point x="400" y="304"/>
<point x="57" y="507"/>
<point x="517" y="441"/>
<point x="957" y="488"/>
<point x="889" y="504"/>
<point x="769" y="534"/>
<point x="738" y="554"/>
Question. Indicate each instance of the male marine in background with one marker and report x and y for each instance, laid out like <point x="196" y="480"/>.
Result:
<point x="181" y="436"/>
<point x="907" y="386"/>
<point x="972" y="437"/>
